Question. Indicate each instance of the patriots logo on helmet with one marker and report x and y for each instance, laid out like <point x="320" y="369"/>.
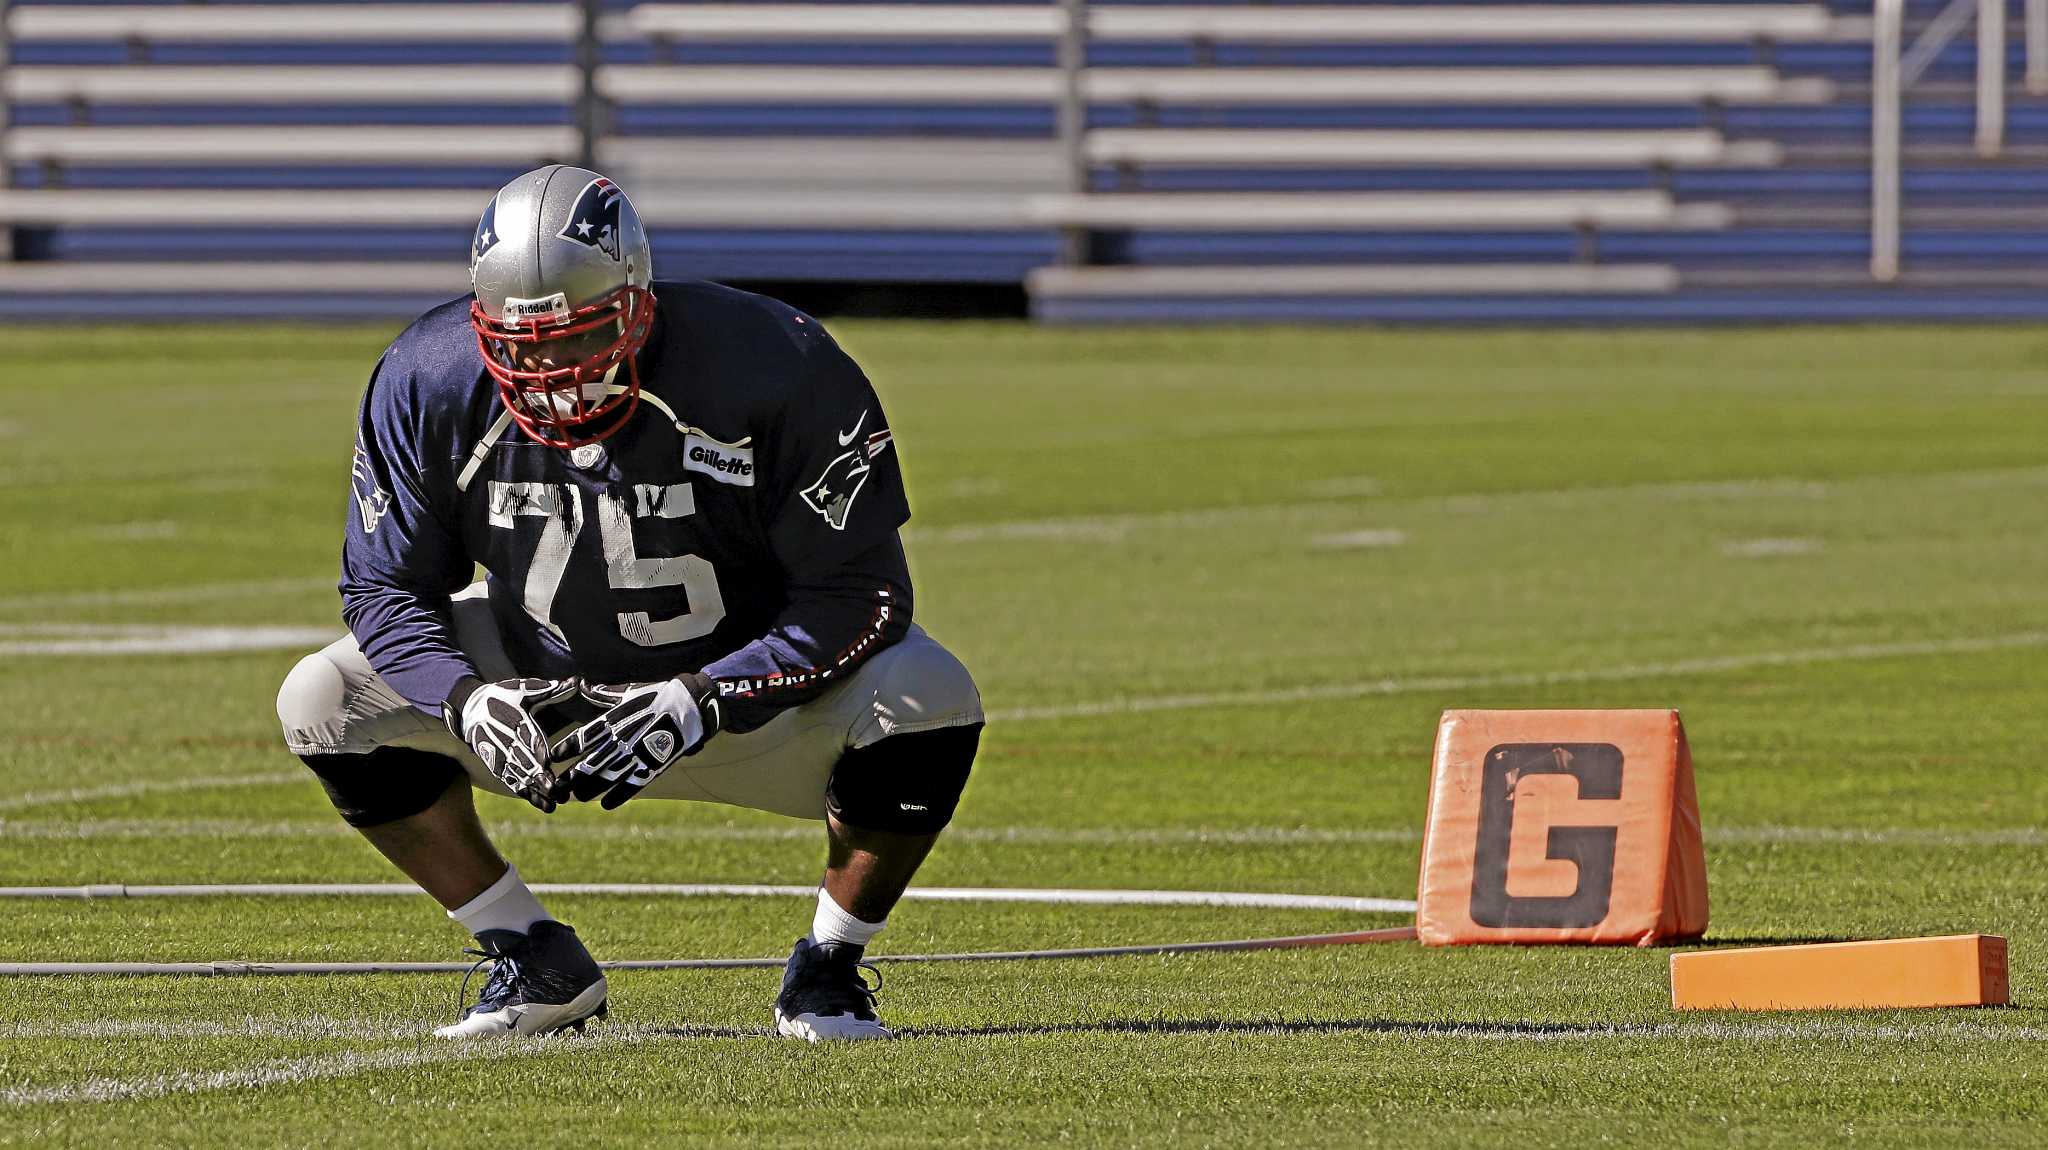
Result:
<point x="486" y="232"/>
<point x="595" y="218"/>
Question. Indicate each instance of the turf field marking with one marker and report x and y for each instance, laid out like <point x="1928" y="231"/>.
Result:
<point x="1344" y="486"/>
<point x="972" y="486"/>
<point x="1329" y="692"/>
<point x="1115" y="528"/>
<point x="1881" y="836"/>
<point x="134" y="531"/>
<point x="149" y="787"/>
<point x="314" y="1027"/>
<point x="1356" y="540"/>
<point x="1348" y="493"/>
<point x="165" y="596"/>
<point x="147" y="639"/>
<point x="317" y="1026"/>
<point x="369" y="1030"/>
<point x="293" y="1071"/>
<point x="1769" y="548"/>
<point x="258" y="969"/>
<point x="1108" y="528"/>
<point x="617" y="832"/>
<point x="1052" y="896"/>
<point x="1829" y="1031"/>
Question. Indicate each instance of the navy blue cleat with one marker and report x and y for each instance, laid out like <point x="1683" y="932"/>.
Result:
<point x="541" y="982"/>
<point x="824" y="998"/>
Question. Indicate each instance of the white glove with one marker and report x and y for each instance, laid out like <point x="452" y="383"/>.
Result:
<point x="645" y="728"/>
<point x="496" y="720"/>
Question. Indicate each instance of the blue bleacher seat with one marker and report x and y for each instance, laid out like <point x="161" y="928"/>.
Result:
<point x="1800" y="210"/>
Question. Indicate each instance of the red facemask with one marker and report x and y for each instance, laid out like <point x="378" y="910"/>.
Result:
<point x="568" y="404"/>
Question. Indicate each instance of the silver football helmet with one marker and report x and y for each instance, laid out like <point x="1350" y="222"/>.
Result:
<point x="561" y="270"/>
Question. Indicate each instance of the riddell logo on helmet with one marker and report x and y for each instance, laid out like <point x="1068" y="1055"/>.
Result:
<point x="724" y="463"/>
<point x="555" y="307"/>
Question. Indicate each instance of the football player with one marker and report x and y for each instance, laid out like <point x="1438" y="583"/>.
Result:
<point x="686" y="499"/>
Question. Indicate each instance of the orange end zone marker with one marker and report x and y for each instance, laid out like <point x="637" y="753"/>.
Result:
<point x="1953" y="970"/>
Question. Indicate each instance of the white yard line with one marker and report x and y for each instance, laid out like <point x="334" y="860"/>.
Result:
<point x="1257" y="900"/>
<point x="122" y="639"/>
<point x="624" y="831"/>
<point x="148" y="787"/>
<point x="166" y="596"/>
<point x="627" y="832"/>
<point x="1328" y="692"/>
<point x="1356" y="540"/>
<point x="1881" y="836"/>
<point x="1344" y="486"/>
<point x="134" y="531"/>
<point x="318" y="1026"/>
<point x="1770" y="547"/>
<point x="1114" y="528"/>
<point x="1355" y="492"/>
<point x="294" y="1071"/>
<point x="260" y="969"/>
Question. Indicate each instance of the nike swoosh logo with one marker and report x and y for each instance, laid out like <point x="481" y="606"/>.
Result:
<point x="846" y="437"/>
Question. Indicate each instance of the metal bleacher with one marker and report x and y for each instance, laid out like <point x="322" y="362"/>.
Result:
<point x="1391" y="161"/>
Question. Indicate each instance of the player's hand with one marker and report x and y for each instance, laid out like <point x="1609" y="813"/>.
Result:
<point x="645" y="728"/>
<point x="496" y="720"/>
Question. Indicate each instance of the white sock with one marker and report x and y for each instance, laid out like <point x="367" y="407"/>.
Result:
<point x="831" y="924"/>
<point x="504" y="905"/>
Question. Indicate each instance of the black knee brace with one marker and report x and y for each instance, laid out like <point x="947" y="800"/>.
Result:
<point x="904" y="784"/>
<point x="388" y="784"/>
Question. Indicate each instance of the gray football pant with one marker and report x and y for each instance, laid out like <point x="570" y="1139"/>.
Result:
<point x="333" y="703"/>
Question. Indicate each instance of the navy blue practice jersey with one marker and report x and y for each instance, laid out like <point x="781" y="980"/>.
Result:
<point x="743" y="522"/>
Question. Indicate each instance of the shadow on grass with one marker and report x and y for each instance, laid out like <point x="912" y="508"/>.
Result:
<point x="1270" y="1026"/>
<point x="1535" y="1030"/>
<point x="1720" y="940"/>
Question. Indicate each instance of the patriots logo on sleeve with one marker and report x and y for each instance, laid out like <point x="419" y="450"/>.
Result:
<point x="372" y="501"/>
<point x="832" y="495"/>
<point x="595" y="218"/>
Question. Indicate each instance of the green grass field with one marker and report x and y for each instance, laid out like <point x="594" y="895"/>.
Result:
<point x="1216" y="587"/>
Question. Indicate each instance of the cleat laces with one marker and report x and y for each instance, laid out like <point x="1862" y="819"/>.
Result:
<point x="499" y="988"/>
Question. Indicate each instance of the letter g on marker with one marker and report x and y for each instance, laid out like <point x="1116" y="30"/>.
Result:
<point x="1597" y="768"/>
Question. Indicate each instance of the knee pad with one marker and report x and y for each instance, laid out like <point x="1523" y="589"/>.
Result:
<point x="904" y="784"/>
<point x="312" y="705"/>
<point x="388" y="784"/>
<point x="921" y="687"/>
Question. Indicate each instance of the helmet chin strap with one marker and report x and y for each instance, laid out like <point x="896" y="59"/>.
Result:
<point x="686" y="429"/>
<point x="483" y="448"/>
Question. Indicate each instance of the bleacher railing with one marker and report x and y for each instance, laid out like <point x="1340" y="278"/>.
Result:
<point x="1073" y="119"/>
<point x="1895" y="68"/>
<point x="6" y="163"/>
